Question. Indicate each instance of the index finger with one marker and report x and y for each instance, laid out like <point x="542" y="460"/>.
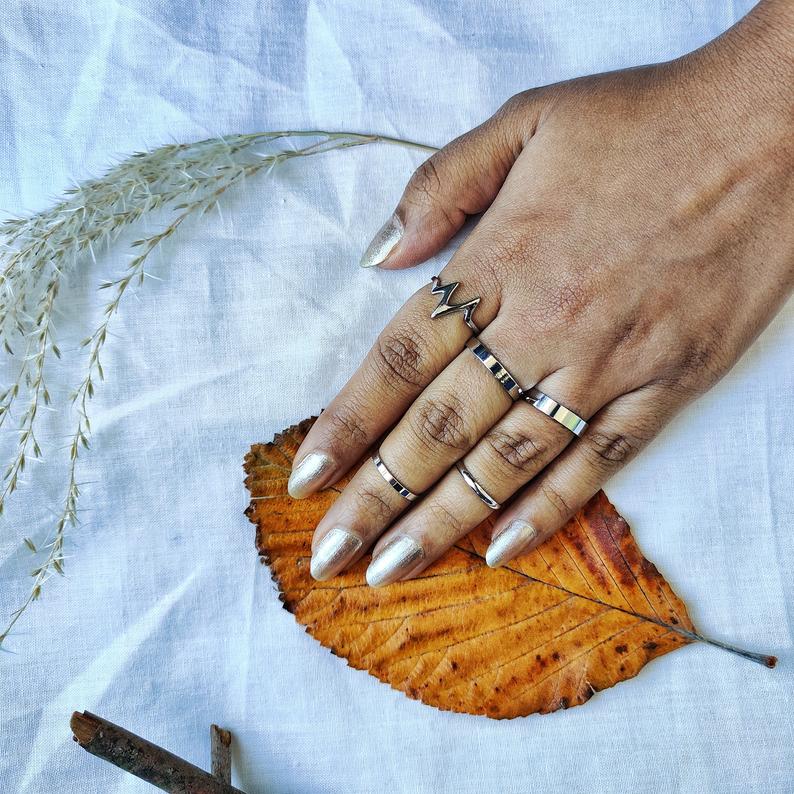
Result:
<point x="409" y="353"/>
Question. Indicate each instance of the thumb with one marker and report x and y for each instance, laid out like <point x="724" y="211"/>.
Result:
<point x="461" y="179"/>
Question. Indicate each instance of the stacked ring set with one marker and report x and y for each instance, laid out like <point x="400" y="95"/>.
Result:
<point x="536" y="398"/>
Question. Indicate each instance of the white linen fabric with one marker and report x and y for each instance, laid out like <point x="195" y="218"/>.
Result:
<point x="166" y="620"/>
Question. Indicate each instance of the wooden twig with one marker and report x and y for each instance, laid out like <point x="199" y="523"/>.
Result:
<point x="221" y="754"/>
<point x="152" y="763"/>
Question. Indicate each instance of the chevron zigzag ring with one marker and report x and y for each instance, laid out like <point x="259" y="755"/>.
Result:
<point x="445" y="307"/>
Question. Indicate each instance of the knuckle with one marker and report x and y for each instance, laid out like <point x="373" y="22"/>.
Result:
<point x="610" y="449"/>
<point x="517" y="451"/>
<point x="702" y="361"/>
<point x="669" y="394"/>
<point x="514" y="105"/>
<point x="563" y="306"/>
<point x="516" y="111"/>
<point x="695" y="355"/>
<point x="629" y="331"/>
<point x="500" y="259"/>
<point x="425" y="182"/>
<point x="440" y="423"/>
<point x="560" y="299"/>
<point x="511" y="246"/>
<point x="399" y="359"/>
<point x="375" y="505"/>
<point x="347" y="427"/>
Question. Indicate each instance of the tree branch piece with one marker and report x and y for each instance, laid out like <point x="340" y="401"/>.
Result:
<point x="221" y="752"/>
<point x="152" y="763"/>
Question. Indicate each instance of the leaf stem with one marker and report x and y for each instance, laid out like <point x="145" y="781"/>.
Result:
<point x="760" y="658"/>
<point x="766" y="660"/>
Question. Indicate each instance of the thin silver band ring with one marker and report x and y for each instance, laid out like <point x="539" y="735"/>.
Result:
<point x="406" y="493"/>
<point x="476" y="487"/>
<point x="559" y="413"/>
<point x="494" y="366"/>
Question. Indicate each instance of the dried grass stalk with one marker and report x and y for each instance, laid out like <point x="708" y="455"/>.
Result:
<point x="39" y="251"/>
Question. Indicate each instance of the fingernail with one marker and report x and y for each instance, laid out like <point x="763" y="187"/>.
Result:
<point x="333" y="553"/>
<point x="509" y="543"/>
<point x="308" y="474"/>
<point x="397" y="559"/>
<point x="383" y="243"/>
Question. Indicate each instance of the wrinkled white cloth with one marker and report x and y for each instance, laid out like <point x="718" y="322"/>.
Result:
<point x="166" y="621"/>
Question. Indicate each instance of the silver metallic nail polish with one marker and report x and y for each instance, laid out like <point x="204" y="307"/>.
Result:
<point x="333" y="553"/>
<point x="306" y="476"/>
<point x="509" y="543"/>
<point x="383" y="243"/>
<point x="397" y="559"/>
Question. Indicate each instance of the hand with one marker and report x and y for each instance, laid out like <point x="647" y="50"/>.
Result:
<point x="638" y="234"/>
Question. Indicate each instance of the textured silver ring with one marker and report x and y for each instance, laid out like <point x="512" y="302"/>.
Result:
<point x="559" y="413"/>
<point x="445" y="307"/>
<point x="476" y="487"/>
<point x="494" y="366"/>
<point x="406" y="493"/>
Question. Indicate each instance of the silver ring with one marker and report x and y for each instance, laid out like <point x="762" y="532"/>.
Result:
<point x="494" y="366"/>
<point x="559" y="413"/>
<point x="445" y="307"/>
<point x="406" y="493"/>
<point x="476" y="487"/>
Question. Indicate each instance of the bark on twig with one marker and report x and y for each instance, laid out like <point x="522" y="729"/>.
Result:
<point x="148" y="761"/>
<point x="221" y="753"/>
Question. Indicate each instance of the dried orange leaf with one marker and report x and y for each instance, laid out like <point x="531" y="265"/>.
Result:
<point x="577" y="615"/>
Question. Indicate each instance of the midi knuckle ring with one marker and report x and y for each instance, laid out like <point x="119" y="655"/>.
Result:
<point x="384" y="472"/>
<point x="469" y="479"/>
<point x="556" y="411"/>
